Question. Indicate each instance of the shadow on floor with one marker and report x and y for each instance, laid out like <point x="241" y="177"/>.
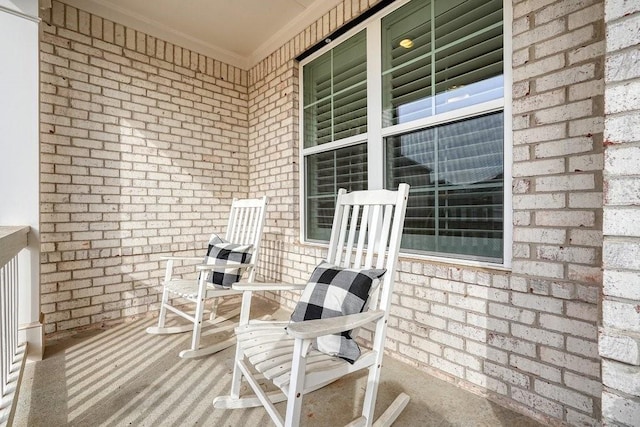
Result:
<point x="122" y="376"/>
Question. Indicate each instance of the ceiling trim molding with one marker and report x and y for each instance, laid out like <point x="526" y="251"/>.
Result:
<point x="108" y="10"/>
<point x="310" y="15"/>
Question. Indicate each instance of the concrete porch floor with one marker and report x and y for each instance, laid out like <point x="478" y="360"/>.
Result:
<point x="121" y="376"/>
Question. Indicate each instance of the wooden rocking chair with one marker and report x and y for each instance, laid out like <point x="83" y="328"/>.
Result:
<point x="227" y="259"/>
<point x="365" y="240"/>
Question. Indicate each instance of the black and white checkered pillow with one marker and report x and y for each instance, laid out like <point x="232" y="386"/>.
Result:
<point x="333" y="291"/>
<point x="221" y="252"/>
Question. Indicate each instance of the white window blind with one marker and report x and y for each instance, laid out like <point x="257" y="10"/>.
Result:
<point x="438" y="124"/>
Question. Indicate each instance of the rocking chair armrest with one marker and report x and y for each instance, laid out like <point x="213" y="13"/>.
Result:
<point x="211" y="267"/>
<point x="259" y="286"/>
<point x="181" y="258"/>
<point x="316" y="328"/>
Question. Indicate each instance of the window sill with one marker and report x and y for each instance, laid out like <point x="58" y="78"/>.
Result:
<point x="409" y="256"/>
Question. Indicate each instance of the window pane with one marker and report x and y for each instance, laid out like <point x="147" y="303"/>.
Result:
<point x="335" y="93"/>
<point x="326" y="173"/>
<point x="406" y="63"/>
<point x="469" y="51"/>
<point x="456" y="177"/>
<point x="456" y="56"/>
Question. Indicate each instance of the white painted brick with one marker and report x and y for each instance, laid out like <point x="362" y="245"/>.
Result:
<point x="621" y="222"/>
<point x="538" y="167"/>
<point x="620" y="254"/>
<point x="539" y="201"/>
<point x="623" y="33"/>
<point x="512" y="313"/>
<point x="565" y="112"/>
<point x="540" y="336"/>
<point x="580" y="310"/>
<point x="551" y="132"/>
<point x="621" y="377"/>
<point x="563" y="147"/>
<point x="511" y="344"/>
<point x="565" y="183"/>
<point x="620" y="409"/>
<point x="448" y="312"/>
<point x="621" y="315"/>
<point x="582" y="347"/>
<point x="527" y="365"/>
<point x="539" y="67"/>
<point x="622" y="97"/>
<point x="448" y="367"/>
<point x="571" y="362"/>
<point x="619" y="347"/>
<point x="622" y="192"/>
<point x="586" y="16"/>
<point x="621" y="284"/>
<point x="621" y="66"/>
<point x="533" y="400"/>
<point x="615" y="9"/>
<point x="486" y="382"/>
<point x="567" y="254"/>
<point x="461" y="358"/>
<point x="622" y="160"/>
<point x="589" y="162"/>
<point x="539" y="33"/>
<point x="622" y="128"/>
<point x="566" y="77"/>
<point x="572" y="327"/>
<point x="488" y="323"/>
<point x="564" y="395"/>
<point x="539" y="235"/>
<point x="541" y="269"/>
<point x="446" y="339"/>
<point x="468" y="303"/>
<point x="505" y="374"/>
<point x="537" y="102"/>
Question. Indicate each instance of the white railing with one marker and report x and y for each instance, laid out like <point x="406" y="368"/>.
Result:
<point x="12" y="352"/>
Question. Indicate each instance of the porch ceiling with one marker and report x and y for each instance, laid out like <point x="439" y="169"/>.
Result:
<point x="238" y="32"/>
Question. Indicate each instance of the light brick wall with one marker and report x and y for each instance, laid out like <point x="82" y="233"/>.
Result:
<point x="125" y="134"/>
<point x="527" y="338"/>
<point x="620" y="334"/>
<point x="143" y="145"/>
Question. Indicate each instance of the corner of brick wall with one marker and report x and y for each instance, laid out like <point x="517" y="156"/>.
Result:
<point x="620" y="334"/>
<point x="143" y="146"/>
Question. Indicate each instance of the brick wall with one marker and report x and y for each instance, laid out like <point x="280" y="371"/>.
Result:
<point x="143" y="145"/>
<point x="620" y="335"/>
<point x="528" y="337"/>
<point x="131" y="124"/>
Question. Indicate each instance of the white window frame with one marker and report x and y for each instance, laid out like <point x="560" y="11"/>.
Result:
<point x="374" y="137"/>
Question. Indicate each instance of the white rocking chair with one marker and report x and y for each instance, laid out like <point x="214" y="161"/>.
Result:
<point x="246" y="221"/>
<point x="366" y="233"/>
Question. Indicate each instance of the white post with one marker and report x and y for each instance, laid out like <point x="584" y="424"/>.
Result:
<point x="19" y="153"/>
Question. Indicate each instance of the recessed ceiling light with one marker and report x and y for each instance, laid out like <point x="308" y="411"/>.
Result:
<point x="406" y="43"/>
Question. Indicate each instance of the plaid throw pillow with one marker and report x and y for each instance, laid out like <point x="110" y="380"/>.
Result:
<point x="333" y="291"/>
<point x="221" y="252"/>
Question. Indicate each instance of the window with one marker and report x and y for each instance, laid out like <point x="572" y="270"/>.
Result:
<point x="416" y="96"/>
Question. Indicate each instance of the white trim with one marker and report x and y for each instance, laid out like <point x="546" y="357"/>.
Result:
<point x="375" y="146"/>
<point x="19" y="13"/>
<point x="334" y="145"/>
<point x="302" y="165"/>
<point x="443" y="118"/>
<point x="507" y="220"/>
